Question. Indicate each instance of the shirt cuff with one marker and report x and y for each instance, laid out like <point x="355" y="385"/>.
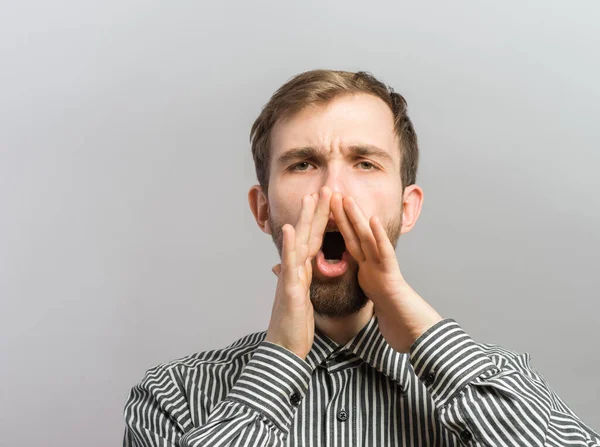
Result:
<point x="446" y="359"/>
<point x="273" y="382"/>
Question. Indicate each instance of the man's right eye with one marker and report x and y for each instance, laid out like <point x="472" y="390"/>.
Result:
<point x="295" y="167"/>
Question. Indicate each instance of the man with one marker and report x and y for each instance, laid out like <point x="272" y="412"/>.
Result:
<point x="352" y="355"/>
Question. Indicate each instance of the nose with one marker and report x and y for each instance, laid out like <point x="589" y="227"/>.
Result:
<point x="334" y="178"/>
<point x="333" y="191"/>
<point x="331" y="219"/>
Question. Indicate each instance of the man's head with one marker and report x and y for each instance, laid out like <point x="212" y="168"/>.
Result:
<point x="347" y="131"/>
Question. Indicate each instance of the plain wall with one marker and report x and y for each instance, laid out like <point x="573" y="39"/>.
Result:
<point x="126" y="239"/>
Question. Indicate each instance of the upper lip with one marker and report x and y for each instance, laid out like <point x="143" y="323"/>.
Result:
<point x="331" y="225"/>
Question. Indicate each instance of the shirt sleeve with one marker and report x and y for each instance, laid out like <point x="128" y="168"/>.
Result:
<point x="490" y="396"/>
<point x="257" y="411"/>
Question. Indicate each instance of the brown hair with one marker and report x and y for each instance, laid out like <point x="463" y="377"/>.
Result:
<point x="319" y="87"/>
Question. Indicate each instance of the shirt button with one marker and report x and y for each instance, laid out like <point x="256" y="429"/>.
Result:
<point x="465" y="436"/>
<point x="295" y="399"/>
<point x="342" y="415"/>
<point x="429" y="378"/>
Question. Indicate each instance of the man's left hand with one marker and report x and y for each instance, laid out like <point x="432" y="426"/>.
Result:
<point x="402" y="314"/>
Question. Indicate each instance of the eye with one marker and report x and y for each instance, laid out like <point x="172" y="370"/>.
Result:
<point x="295" y="167"/>
<point x="368" y="163"/>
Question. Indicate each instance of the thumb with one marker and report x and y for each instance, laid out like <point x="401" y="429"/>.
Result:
<point x="276" y="269"/>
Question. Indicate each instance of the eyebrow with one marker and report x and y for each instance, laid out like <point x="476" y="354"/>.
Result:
<point x="356" y="150"/>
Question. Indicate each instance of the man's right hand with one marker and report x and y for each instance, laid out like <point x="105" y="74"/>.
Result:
<point x="292" y="324"/>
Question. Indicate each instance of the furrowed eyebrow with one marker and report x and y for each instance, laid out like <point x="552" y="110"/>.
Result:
<point x="359" y="150"/>
<point x="369" y="150"/>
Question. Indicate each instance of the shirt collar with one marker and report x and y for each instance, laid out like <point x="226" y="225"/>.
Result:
<point x="368" y="345"/>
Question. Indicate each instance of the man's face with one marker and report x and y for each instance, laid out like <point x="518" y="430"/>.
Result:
<point x="372" y="180"/>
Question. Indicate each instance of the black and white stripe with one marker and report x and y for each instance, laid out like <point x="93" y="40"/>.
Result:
<point x="448" y="391"/>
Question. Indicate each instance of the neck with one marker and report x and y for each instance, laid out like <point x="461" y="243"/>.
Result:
<point x="342" y="329"/>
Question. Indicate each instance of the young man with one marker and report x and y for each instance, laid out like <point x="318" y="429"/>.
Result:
<point x="352" y="355"/>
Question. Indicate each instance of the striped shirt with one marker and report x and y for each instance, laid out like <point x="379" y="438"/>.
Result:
<point x="447" y="391"/>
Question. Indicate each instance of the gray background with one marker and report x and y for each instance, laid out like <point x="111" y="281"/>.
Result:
<point x="126" y="239"/>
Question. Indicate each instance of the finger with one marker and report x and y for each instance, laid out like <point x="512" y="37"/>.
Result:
<point x="319" y="222"/>
<point x="360" y="222"/>
<point x="345" y="226"/>
<point x="387" y="254"/>
<point x="303" y="228"/>
<point x="307" y="272"/>
<point x="289" y="268"/>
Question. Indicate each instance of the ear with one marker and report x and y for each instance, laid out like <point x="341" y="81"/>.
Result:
<point x="411" y="207"/>
<point x="259" y="206"/>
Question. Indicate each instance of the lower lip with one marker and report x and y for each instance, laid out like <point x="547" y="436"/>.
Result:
<point x="332" y="270"/>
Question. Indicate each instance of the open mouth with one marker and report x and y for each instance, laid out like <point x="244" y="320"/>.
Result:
<point x="333" y="260"/>
<point x="333" y="246"/>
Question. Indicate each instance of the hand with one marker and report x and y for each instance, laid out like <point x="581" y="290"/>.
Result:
<point x="292" y="324"/>
<point x="402" y="314"/>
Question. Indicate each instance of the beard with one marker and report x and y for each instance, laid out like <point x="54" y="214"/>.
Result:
<point x="340" y="296"/>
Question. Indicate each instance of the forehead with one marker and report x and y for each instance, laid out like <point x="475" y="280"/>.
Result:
<point x="346" y="120"/>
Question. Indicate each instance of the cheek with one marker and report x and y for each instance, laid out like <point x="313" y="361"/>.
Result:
<point x="285" y="209"/>
<point x="375" y="201"/>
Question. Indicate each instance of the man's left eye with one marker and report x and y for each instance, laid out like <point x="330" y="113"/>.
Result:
<point x="368" y="163"/>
